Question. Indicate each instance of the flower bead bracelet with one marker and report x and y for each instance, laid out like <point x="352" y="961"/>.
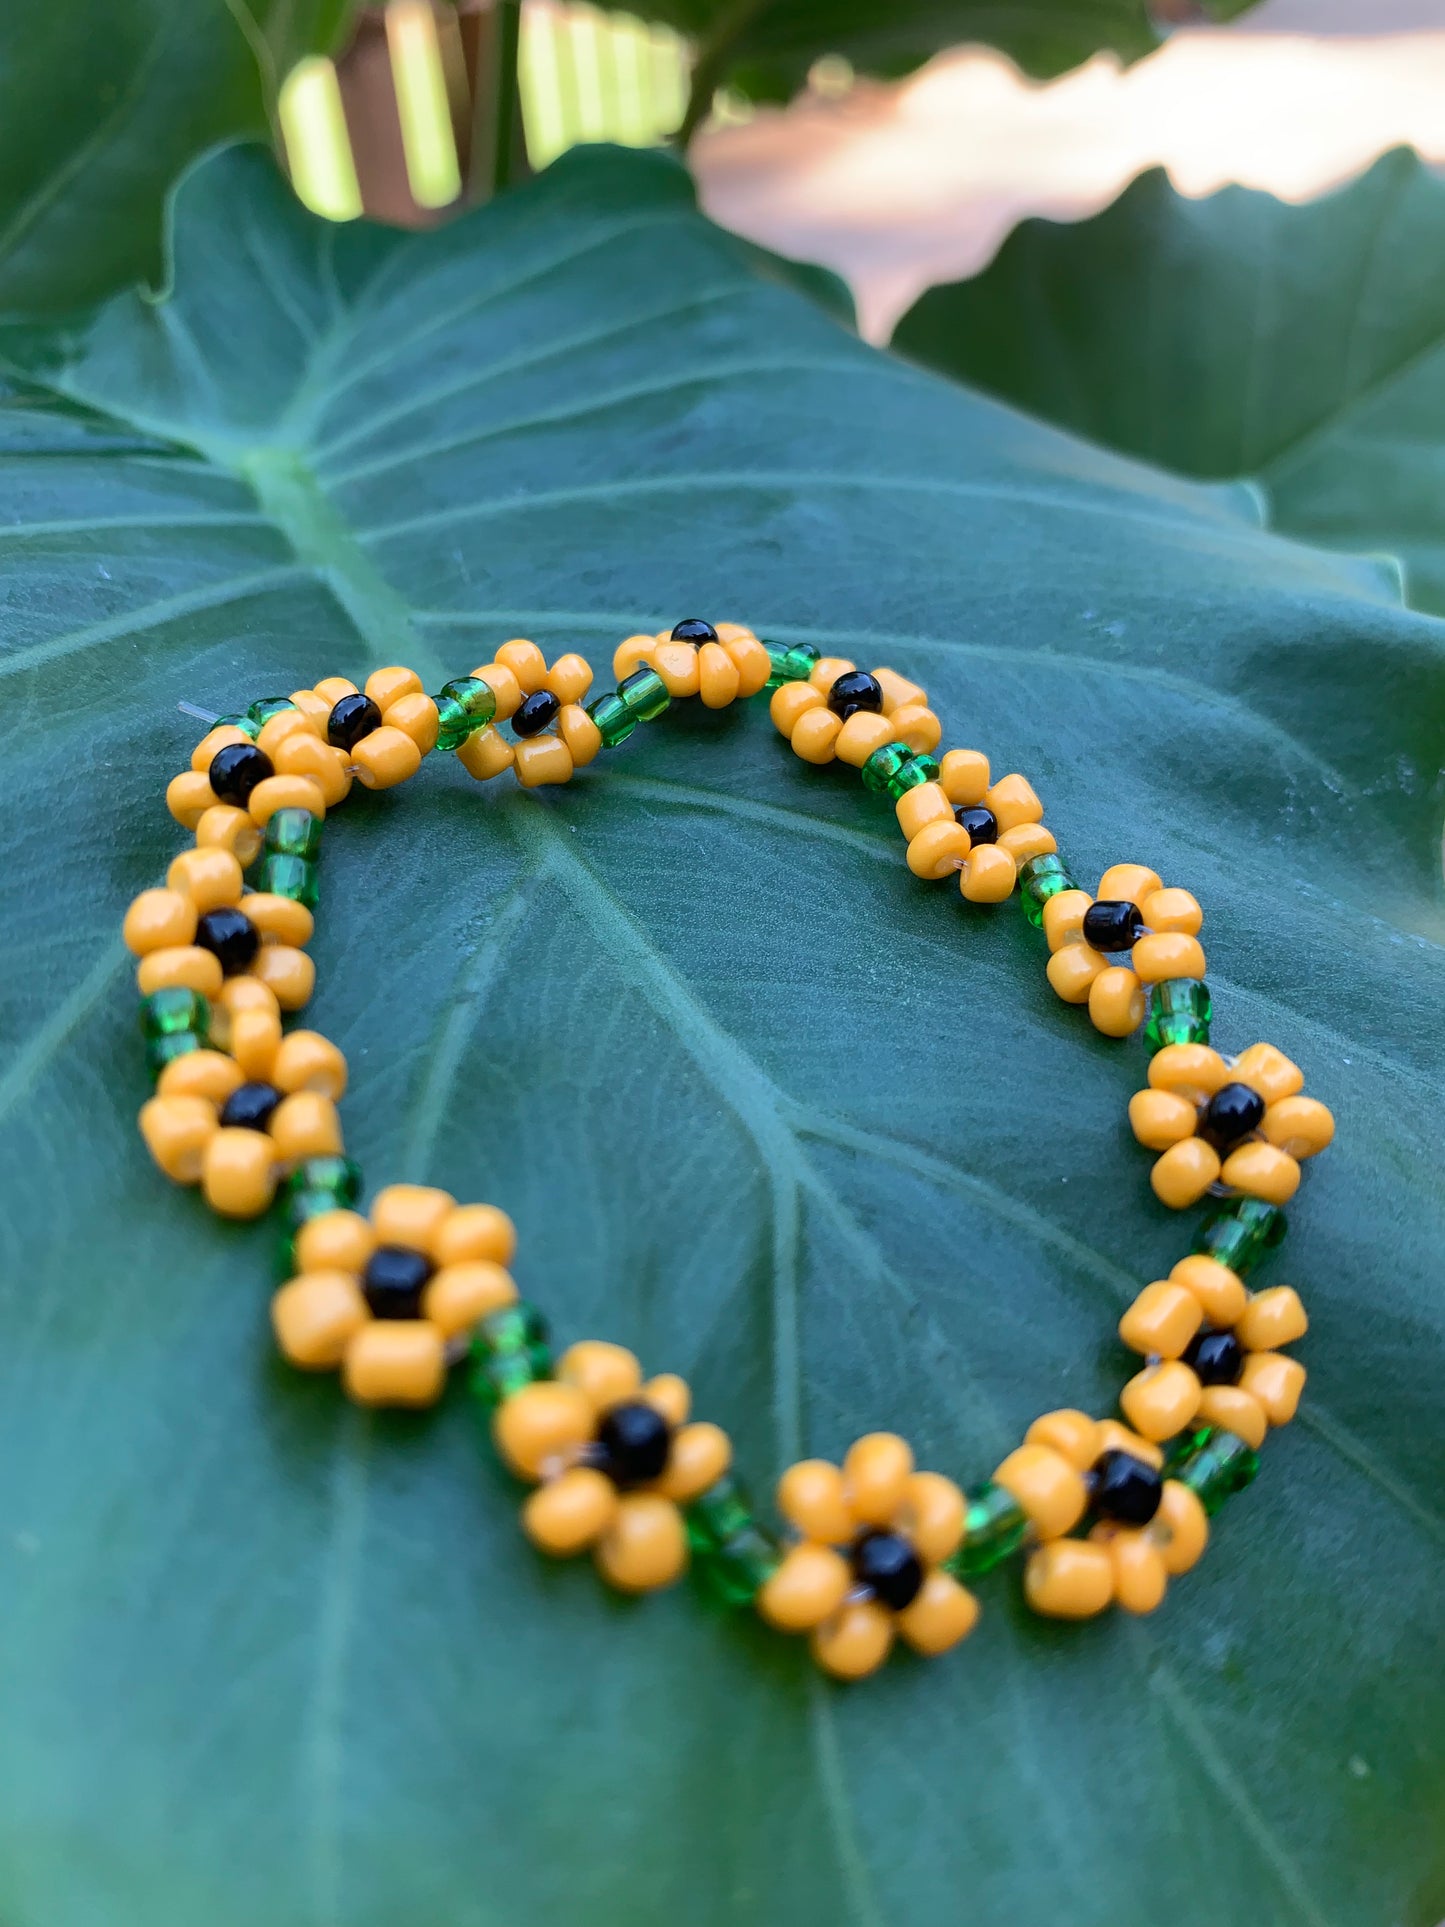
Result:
<point x="1102" y="1511"/>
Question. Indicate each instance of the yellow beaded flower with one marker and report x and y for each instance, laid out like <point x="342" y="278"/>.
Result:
<point x="613" y="1460"/>
<point x="554" y="734"/>
<point x="868" y="1565"/>
<point x="198" y="933"/>
<point x="1134" y="913"/>
<point x="1242" y="1122"/>
<point x="848" y="713"/>
<point x="1213" y="1352"/>
<point x="1147" y="1528"/>
<point x="718" y="663"/>
<point x="383" y="1299"/>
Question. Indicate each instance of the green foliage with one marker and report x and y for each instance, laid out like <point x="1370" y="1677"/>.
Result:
<point x="1303" y="347"/>
<point x="765" y="1108"/>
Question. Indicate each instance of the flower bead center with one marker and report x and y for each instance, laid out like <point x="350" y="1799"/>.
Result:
<point x="888" y="1566"/>
<point x="1125" y="1488"/>
<point x="633" y="1442"/>
<point x="231" y="938"/>
<point x="1217" y="1358"/>
<point x="1232" y="1113"/>
<point x="394" y="1281"/>
<point x="855" y="689"/>
<point x="1112" y="925"/>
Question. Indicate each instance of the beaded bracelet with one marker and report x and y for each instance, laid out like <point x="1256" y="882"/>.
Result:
<point x="1103" y="1511"/>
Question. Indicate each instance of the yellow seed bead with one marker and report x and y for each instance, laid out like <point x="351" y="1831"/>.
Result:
<point x="811" y="1497"/>
<point x="184" y="967"/>
<point x="1220" y="1291"/>
<point x="457" y="1296"/>
<point x="1184" y="1173"/>
<point x="201" y="1073"/>
<point x="331" y="689"/>
<point x="1180" y="1528"/>
<point x="387" y="686"/>
<point x="1271" y="1318"/>
<point x="316" y="707"/>
<point x="1276" y="1381"/>
<point x="473" y="1231"/>
<point x="964" y="776"/>
<point x="1300" y="1126"/>
<point x="386" y="757"/>
<point x="1172" y="910"/>
<point x="1167" y="955"/>
<point x="542" y="759"/>
<point x="751" y="661"/>
<point x="1260" y="1170"/>
<point x="238" y="1172"/>
<point x="1049" y="1489"/>
<point x="159" y="920"/>
<point x="395" y="1361"/>
<point x="570" y="1513"/>
<point x="809" y="1585"/>
<point x="1128" y="883"/>
<point x="1073" y="1435"/>
<point x="988" y="874"/>
<point x="486" y="754"/>
<point x="279" y="728"/>
<point x="938" y="850"/>
<point x="1069" y="1579"/>
<point x="1159" y="1118"/>
<point x="916" y="726"/>
<point x="1161" y="1320"/>
<point x="527" y="664"/>
<point x="669" y="1395"/>
<point x="876" y="1470"/>
<point x="306" y="1125"/>
<point x="700" y="1454"/>
<point x="860" y="736"/>
<point x="1073" y="970"/>
<point x="607" y="1374"/>
<point x="307" y="1061"/>
<point x="327" y="767"/>
<point x="410" y="1214"/>
<point x="898" y="691"/>
<point x="1188" y="1070"/>
<point x="1064" y="917"/>
<point x="177" y="1130"/>
<point x="855" y="1641"/>
<point x="1013" y="801"/>
<point x="280" y="919"/>
<point x="542" y="1425"/>
<point x="504" y="687"/>
<point x="677" y="664"/>
<point x="335" y="1241"/>
<point x="415" y="715"/>
<point x="570" y="677"/>
<point x="792" y="700"/>
<point x="826" y="671"/>
<point x="1116" y="1002"/>
<point x="1026" y="841"/>
<point x="210" y="878"/>
<point x="247" y="993"/>
<point x="189" y="796"/>
<point x="286" y="793"/>
<point x="925" y="803"/>
<point x="815" y="735"/>
<point x="214" y="741"/>
<point x="224" y="827"/>
<point x="316" y="1316"/>
<point x="254" y="1038"/>
<point x="645" y="1547"/>
<point x="1267" y="1071"/>
<point x="1141" y="1577"/>
<point x="1236" y="1410"/>
<point x="630" y="654"/>
<point x="581" y="735"/>
<point x="1111" y="1436"/>
<point x="288" y="972"/>
<point x="932" y="1515"/>
<point x="1161" y="1400"/>
<point x="941" y="1614"/>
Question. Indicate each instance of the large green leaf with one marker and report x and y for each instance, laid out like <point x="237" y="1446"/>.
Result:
<point x="764" y="1107"/>
<point x="101" y="107"/>
<point x="1301" y="346"/>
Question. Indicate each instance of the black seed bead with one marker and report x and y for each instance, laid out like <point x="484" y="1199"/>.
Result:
<point x="394" y="1280"/>
<point x="535" y="712"/>
<point x="888" y="1566"/>
<point x="633" y="1443"/>
<point x="855" y="689"/>
<point x="351" y="719"/>
<point x="1217" y="1358"/>
<point x="981" y="824"/>
<point x="1111" y="925"/>
<point x="231" y="937"/>
<point x="249" y="1107"/>
<point x="694" y="629"/>
<point x="1233" y="1112"/>
<point x="1126" y="1488"/>
<point x="236" y="770"/>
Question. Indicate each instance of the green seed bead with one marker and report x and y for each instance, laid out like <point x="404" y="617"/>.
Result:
<point x="793" y="664"/>
<point x="245" y="723"/>
<point x="161" y="1051"/>
<point x="994" y="1528"/>
<point x="1179" y="1013"/>
<point x="465" y="705"/>
<point x="509" y="1350"/>
<point x="645" y="695"/>
<point x="1240" y="1233"/>
<point x="293" y="832"/>
<point x="452" y="726"/>
<point x="264" y="708"/>
<point x="288" y="876"/>
<point x="615" y="721"/>
<point x="336" y="1179"/>
<point x="1040" y="878"/>
<point x="1214" y="1465"/>
<point x="733" y="1557"/>
<point x="165" y="1012"/>
<point x="883" y="767"/>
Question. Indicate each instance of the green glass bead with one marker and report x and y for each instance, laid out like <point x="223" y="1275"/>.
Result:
<point x="452" y="726"/>
<point x="337" y="1179"/>
<point x="262" y="710"/>
<point x="1179" y="1013"/>
<point x="165" y="1012"/>
<point x="288" y="876"/>
<point x="793" y="664"/>
<point x="732" y="1555"/>
<point x="464" y="705"/>
<point x="161" y="1051"/>
<point x="994" y="1528"/>
<point x="615" y="721"/>
<point x="509" y="1350"/>
<point x="645" y="695"/>
<point x="1240" y="1232"/>
<point x="1215" y="1465"/>
<point x="293" y="832"/>
<point x="246" y="724"/>
<point x="1040" y="878"/>
<point x="894" y="769"/>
